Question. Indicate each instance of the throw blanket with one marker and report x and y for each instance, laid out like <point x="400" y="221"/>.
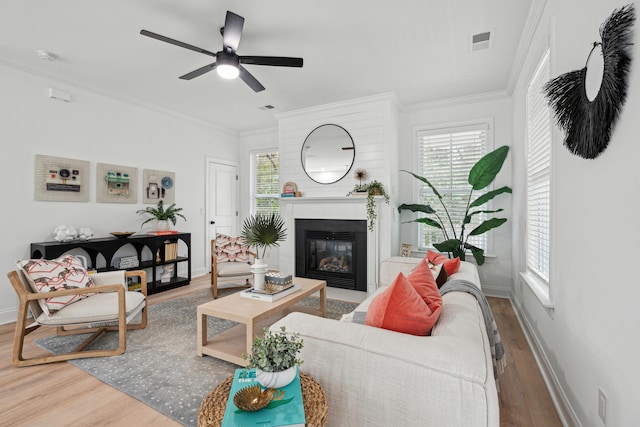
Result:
<point x="497" y="349"/>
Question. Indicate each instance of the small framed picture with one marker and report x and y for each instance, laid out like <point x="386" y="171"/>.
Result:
<point x="405" y="250"/>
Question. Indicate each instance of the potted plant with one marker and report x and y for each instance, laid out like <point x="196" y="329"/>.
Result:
<point x="372" y="189"/>
<point x="480" y="176"/>
<point x="161" y="215"/>
<point x="275" y="357"/>
<point x="262" y="230"/>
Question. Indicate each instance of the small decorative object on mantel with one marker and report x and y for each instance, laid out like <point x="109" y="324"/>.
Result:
<point x="588" y="123"/>
<point x="371" y="189"/>
<point x="274" y="356"/>
<point x="289" y="189"/>
<point x="65" y="233"/>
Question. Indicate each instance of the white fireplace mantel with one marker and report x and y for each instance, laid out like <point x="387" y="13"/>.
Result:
<point x="345" y="207"/>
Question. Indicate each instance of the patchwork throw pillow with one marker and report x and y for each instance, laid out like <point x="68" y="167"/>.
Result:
<point x="231" y="249"/>
<point x="400" y="308"/>
<point x="451" y="265"/>
<point x="439" y="273"/>
<point x="66" y="272"/>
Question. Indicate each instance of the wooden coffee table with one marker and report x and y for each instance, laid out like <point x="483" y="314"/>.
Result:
<point x="253" y="316"/>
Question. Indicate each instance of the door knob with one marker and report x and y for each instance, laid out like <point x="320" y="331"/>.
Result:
<point x="212" y="222"/>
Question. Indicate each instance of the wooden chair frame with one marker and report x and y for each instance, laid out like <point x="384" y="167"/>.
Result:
<point x="28" y="297"/>
<point x="214" y="272"/>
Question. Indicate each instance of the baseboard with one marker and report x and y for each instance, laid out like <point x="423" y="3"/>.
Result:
<point x="496" y="292"/>
<point x="8" y="316"/>
<point x="566" y="413"/>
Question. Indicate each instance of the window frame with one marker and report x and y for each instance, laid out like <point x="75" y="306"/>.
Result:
<point x="532" y="276"/>
<point x="253" y="195"/>
<point x="444" y="128"/>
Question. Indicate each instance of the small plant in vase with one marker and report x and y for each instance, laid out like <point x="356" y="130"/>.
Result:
<point x="275" y="357"/>
<point x="372" y="189"/>
<point x="262" y="231"/>
<point x="160" y="214"/>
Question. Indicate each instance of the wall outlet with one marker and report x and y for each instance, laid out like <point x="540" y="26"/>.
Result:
<point x="602" y="406"/>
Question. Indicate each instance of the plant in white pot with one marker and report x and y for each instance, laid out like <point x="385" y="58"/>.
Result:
<point x="275" y="357"/>
<point x="161" y="215"/>
<point x="262" y="230"/>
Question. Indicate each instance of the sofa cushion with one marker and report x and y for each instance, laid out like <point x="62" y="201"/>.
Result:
<point x="451" y="265"/>
<point x="48" y="276"/>
<point x="400" y="308"/>
<point x="230" y="249"/>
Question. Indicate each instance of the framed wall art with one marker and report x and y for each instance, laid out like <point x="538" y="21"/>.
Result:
<point x="58" y="179"/>
<point x="405" y="250"/>
<point x="158" y="185"/>
<point x="116" y="184"/>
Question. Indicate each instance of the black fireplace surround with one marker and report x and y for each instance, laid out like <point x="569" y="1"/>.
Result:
<point x="332" y="250"/>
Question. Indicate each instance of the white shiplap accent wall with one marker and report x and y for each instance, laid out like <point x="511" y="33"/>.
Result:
<point x="373" y="125"/>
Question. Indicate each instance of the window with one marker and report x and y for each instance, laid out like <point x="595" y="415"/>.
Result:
<point x="538" y="173"/>
<point x="265" y="182"/>
<point x="445" y="157"/>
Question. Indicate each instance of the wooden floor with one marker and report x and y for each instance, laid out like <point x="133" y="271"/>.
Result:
<point x="60" y="394"/>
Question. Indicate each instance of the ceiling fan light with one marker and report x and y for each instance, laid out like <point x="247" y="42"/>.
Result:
<point x="227" y="65"/>
<point x="227" y="71"/>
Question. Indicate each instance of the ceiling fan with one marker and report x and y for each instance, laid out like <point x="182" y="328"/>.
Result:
<point x="228" y="62"/>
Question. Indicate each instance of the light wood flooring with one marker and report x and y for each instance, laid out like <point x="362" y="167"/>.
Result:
<point x="60" y="394"/>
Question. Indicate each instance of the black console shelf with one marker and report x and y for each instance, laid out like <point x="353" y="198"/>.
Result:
<point x="108" y="246"/>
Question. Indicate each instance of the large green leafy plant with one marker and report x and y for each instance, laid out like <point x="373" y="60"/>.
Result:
<point x="455" y="235"/>
<point x="263" y="230"/>
<point x="159" y="213"/>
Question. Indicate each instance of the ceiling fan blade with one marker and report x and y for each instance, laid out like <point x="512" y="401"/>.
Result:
<point x="199" y="72"/>
<point x="250" y="80"/>
<point x="278" y="61"/>
<point x="176" y="42"/>
<point x="232" y="31"/>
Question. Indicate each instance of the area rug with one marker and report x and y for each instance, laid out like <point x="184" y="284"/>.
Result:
<point x="160" y="367"/>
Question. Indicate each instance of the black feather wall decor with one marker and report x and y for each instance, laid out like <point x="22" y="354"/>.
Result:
<point x="588" y="124"/>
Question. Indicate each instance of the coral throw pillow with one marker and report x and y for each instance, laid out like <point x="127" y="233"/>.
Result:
<point x="230" y="249"/>
<point x="421" y="278"/>
<point x="451" y="265"/>
<point x="400" y="308"/>
<point x="66" y="272"/>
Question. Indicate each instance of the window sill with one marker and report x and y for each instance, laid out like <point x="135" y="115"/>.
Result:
<point x="539" y="289"/>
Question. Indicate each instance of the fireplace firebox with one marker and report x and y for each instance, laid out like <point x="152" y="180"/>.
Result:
<point x="332" y="250"/>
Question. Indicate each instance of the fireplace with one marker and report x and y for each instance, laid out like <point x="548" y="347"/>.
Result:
<point x="332" y="250"/>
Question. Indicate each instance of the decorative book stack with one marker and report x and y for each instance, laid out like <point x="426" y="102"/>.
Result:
<point x="126" y="262"/>
<point x="286" y="408"/>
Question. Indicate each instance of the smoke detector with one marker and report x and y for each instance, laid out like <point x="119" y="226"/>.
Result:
<point x="46" y="56"/>
<point x="481" y="41"/>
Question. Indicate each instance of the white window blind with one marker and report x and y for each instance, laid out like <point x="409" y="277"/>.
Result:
<point x="538" y="172"/>
<point x="445" y="157"/>
<point x="265" y="182"/>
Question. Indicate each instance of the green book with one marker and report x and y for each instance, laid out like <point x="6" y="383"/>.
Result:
<point x="285" y="409"/>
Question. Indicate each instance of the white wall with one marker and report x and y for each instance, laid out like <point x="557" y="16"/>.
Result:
<point x="101" y="130"/>
<point x="589" y="340"/>
<point x="495" y="273"/>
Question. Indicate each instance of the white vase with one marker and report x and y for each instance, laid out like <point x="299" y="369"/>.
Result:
<point x="259" y="269"/>
<point x="162" y="225"/>
<point x="276" y="379"/>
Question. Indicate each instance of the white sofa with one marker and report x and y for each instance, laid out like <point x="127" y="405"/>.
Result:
<point x="377" y="377"/>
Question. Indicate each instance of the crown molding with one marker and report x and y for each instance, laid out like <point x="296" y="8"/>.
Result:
<point x="28" y="69"/>
<point x="382" y="97"/>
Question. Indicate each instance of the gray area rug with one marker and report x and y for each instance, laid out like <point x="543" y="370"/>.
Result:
<point x="160" y="367"/>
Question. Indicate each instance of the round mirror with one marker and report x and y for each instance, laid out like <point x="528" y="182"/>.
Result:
<point x="327" y="154"/>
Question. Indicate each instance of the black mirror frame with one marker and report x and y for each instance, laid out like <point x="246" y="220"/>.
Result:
<point x="353" y="157"/>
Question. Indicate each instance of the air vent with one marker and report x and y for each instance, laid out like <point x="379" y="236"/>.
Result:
<point x="267" y="107"/>
<point x="481" y="41"/>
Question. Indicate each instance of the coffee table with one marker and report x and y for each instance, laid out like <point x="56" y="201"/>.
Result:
<point x="253" y="316"/>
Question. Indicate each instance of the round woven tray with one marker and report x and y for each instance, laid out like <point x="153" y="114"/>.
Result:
<point x="313" y="397"/>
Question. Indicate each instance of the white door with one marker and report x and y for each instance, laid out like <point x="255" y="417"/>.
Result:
<point x="222" y="198"/>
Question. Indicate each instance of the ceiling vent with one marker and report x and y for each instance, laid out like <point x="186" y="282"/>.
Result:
<point x="481" y="41"/>
<point x="267" y="107"/>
